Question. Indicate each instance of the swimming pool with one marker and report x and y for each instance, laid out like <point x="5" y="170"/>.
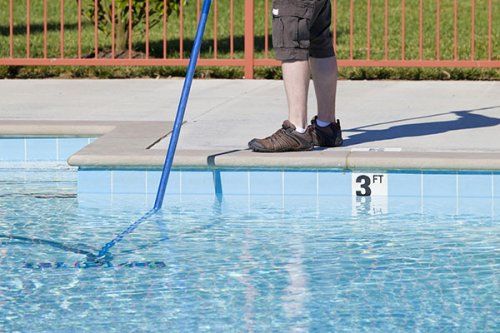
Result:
<point x="249" y="250"/>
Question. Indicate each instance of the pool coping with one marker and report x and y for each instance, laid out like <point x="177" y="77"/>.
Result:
<point x="126" y="144"/>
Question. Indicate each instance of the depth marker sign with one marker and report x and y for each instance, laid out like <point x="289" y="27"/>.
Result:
<point x="369" y="184"/>
<point x="369" y="193"/>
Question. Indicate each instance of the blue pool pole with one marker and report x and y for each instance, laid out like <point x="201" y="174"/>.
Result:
<point x="175" y="133"/>
<point x="167" y="166"/>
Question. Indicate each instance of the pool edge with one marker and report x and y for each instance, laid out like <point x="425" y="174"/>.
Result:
<point x="126" y="145"/>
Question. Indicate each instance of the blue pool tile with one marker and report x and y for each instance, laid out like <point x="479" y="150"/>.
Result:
<point x="12" y="149"/>
<point x="478" y="207"/>
<point x="334" y="206"/>
<point x="405" y="204"/>
<point x="197" y="182"/>
<point x="69" y="146"/>
<point x="170" y="200"/>
<point x="265" y="203"/>
<point x="404" y="184"/>
<point x="440" y="185"/>
<point x="174" y="183"/>
<point x="496" y="185"/>
<point x="233" y="203"/>
<point x="334" y="183"/>
<point x="41" y="149"/>
<point x="129" y="181"/>
<point x="266" y="183"/>
<point x="94" y="181"/>
<point x="475" y="185"/>
<point x="301" y="205"/>
<point x="496" y="208"/>
<point x="234" y="182"/>
<point x="96" y="201"/>
<point x="440" y="206"/>
<point x="301" y="183"/>
<point x="125" y="201"/>
<point x="153" y="181"/>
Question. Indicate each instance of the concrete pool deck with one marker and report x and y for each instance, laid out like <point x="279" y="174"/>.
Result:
<point x="387" y="124"/>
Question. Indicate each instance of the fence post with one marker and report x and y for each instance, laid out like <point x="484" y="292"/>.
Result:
<point x="249" y="38"/>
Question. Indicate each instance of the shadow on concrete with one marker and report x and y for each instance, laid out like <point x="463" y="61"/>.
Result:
<point x="211" y="158"/>
<point x="466" y="120"/>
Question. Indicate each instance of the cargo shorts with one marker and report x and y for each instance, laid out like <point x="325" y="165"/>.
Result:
<point x="301" y="28"/>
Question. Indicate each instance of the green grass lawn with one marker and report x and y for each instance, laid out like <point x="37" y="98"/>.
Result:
<point x="343" y="33"/>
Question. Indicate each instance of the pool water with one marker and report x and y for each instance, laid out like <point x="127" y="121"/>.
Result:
<point x="242" y="263"/>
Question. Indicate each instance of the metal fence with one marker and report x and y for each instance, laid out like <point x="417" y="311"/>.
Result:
<point x="392" y="33"/>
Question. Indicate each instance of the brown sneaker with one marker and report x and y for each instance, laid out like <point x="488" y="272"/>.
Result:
<point x="328" y="136"/>
<point x="284" y="139"/>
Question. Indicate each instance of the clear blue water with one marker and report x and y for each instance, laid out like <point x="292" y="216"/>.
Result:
<point x="241" y="263"/>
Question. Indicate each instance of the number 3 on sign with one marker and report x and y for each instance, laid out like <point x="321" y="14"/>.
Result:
<point x="369" y="184"/>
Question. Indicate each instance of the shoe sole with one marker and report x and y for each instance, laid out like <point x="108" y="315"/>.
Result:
<point x="337" y="144"/>
<point x="263" y="150"/>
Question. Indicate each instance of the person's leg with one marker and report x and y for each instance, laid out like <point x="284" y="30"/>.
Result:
<point x="296" y="77"/>
<point x="293" y="135"/>
<point x="325" y="129"/>
<point x="324" y="74"/>
<point x="291" y="40"/>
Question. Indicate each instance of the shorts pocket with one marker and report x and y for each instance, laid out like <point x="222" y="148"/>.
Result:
<point x="291" y="25"/>
<point x="278" y="32"/>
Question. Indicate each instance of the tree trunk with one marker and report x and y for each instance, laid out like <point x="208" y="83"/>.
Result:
<point x="121" y="42"/>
